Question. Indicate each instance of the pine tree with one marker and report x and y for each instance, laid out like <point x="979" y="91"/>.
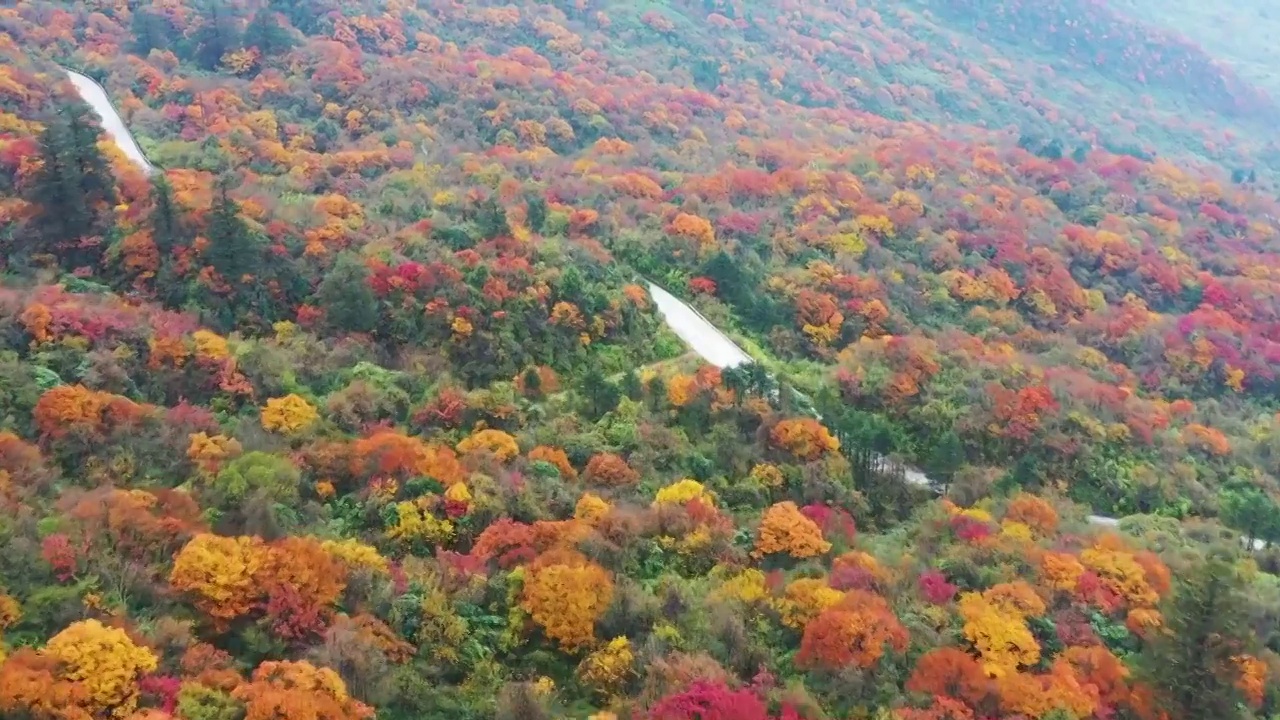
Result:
<point x="233" y="250"/>
<point x="536" y="216"/>
<point x="217" y="35"/>
<point x="347" y="299"/>
<point x="1192" y="665"/>
<point x="945" y="459"/>
<point x="267" y="35"/>
<point x="150" y="32"/>
<point x="74" y="190"/>
<point x="166" y="223"/>
<point x="601" y="395"/>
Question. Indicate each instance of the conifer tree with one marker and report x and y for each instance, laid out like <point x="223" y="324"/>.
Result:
<point x="266" y="34"/>
<point x="168" y="233"/>
<point x="217" y="35"/>
<point x="166" y="223"/>
<point x="233" y="250"/>
<point x="74" y="191"/>
<point x="151" y="31"/>
<point x="1192" y="665"/>
<point x="347" y="299"/>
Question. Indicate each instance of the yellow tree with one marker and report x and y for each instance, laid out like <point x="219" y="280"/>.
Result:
<point x="288" y="414"/>
<point x="500" y="444"/>
<point x="105" y="661"/>
<point x="565" y="594"/>
<point x="784" y="529"/>
<point x="298" y="691"/>
<point x="219" y="572"/>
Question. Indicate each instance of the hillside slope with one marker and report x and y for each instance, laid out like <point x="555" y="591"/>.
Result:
<point x="361" y="406"/>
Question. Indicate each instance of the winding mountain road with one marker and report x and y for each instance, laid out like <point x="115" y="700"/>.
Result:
<point x="688" y="324"/>
<point x="96" y="96"/>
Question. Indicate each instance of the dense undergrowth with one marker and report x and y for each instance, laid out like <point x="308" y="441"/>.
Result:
<point x="361" y="406"/>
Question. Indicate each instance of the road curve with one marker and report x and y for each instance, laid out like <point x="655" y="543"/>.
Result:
<point x="96" y="96"/>
<point x="688" y="324"/>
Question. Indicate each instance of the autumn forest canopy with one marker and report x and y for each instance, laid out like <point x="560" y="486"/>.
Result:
<point x="353" y="400"/>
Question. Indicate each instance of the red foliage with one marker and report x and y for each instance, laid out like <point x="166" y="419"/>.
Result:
<point x="935" y="589"/>
<point x="705" y="700"/>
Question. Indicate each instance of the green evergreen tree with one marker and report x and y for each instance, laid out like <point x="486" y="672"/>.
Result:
<point x="1251" y="511"/>
<point x="266" y="34"/>
<point x="631" y="385"/>
<point x="1191" y="665"/>
<point x="151" y="31"/>
<point x="491" y="219"/>
<point x="600" y="395"/>
<point x="532" y="382"/>
<point x="217" y="35"/>
<point x="166" y="221"/>
<point x="944" y="460"/>
<point x="74" y="190"/>
<point x="536" y="216"/>
<point x="234" y="250"/>
<point x="347" y="299"/>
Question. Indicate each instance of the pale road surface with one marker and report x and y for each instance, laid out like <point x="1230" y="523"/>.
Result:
<point x="688" y="324"/>
<point x="94" y="94"/>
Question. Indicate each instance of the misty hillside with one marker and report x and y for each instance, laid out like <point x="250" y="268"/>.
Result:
<point x="661" y="360"/>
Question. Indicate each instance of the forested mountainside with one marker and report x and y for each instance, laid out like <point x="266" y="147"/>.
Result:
<point x="354" y="399"/>
<point x="1241" y="38"/>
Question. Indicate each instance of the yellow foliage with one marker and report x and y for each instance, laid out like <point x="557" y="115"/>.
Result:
<point x="210" y="451"/>
<point x="458" y="493"/>
<point x="461" y="327"/>
<point x="681" y="492"/>
<point x="105" y="661"/>
<point x="502" y="445"/>
<point x="415" y="522"/>
<point x="1016" y="531"/>
<point x="768" y="475"/>
<point x="609" y="667"/>
<point x="591" y="508"/>
<point x="219" y="572"/>
<point x="803" y="600"/>
<point x="288" y="414"/>
<point x="210" y="346"/>
<point x="356" y="554"/>
<point x="566" y="598"/>
<point x="747" y="587"/>
<point x="785" y="529"/>
<point x="1001" y="637"/>
<point x="1121" y="573"/>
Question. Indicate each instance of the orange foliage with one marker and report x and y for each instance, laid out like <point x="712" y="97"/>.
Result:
<point x="610" y="470"/>
<point x="1253" y="679"/>
<point x="388" y="452"/>
<point x="1096" y="666"/>
<point x="1033" y="512"/>
<point x="554" y="456"/>
<point x="1061" y="571"/>
<point x="784" y="529"/>
<point x="298" y="691"/>
<point x="64" y="408"/>
<point x="695" y="228"/>
<point x="31" y="685"/>
<point x="951" y="672"/>
<point x="853" y="633"/>
<point x="303" y="566"/>
<point x="1210" y="440"/>
<point x="1035" y="696"/>
<point x="565" y="594"/>
<point x="805" y="438"/>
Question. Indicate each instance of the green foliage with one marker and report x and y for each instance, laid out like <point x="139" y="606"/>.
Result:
<point x="263" y="476"/>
